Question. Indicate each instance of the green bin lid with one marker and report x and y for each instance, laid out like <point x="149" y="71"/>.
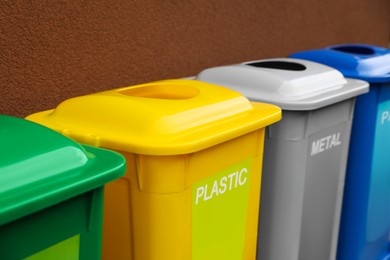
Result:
<point x="40" y="167"/>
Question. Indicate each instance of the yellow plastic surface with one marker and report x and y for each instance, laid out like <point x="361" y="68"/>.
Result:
<point x="148" y="213"/>
<point x="175" y="135"/>
<point x="159" y="118"/>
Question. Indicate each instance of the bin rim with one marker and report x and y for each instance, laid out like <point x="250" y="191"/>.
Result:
<point x="308" y="86"/>
<point x="360" y="61"/>
<point x="159" y="126"/>
<point x="23" y="191"/>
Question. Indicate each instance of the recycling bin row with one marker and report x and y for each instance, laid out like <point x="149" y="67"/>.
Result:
<point x="199" y="153"/>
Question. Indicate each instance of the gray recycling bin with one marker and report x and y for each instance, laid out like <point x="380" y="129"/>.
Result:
<point x="305" y="153"/>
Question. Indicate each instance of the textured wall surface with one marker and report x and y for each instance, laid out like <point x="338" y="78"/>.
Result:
<point x="53" y="50"/>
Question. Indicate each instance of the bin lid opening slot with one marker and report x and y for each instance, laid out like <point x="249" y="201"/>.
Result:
<point x="360" y="50"/>
<point x="161" y="92"/>
<point x="281" y="65"/>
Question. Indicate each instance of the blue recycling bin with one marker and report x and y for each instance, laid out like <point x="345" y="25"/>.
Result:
<point x="365" y="222"/>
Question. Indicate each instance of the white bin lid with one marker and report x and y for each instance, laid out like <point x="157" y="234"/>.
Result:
<point x="292" y="84"/>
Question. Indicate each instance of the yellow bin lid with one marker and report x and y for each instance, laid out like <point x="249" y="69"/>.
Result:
<point x="159" y="118"/>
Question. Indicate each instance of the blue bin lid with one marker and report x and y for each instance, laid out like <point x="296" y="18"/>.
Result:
<point x="360" y="61"/>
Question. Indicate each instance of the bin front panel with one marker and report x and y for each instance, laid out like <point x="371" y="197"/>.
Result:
<point x="145" y="223"/>
<point x="69" y="229"/>
<point x="323" y="191"/>
<point x="365" y="224"/>
<point x="378" y="218"/>
<point x="219" y="213"/>
<point x="302" y="190"/>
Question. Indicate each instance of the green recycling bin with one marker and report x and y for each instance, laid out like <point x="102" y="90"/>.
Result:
<point x="51" y="193"/>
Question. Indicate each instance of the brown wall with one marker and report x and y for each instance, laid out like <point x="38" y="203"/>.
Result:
<point x="54" y="50"/>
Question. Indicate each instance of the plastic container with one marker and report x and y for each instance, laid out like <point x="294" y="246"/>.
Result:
<point x="365" y="224"/>
<point x="194" y="153"/>
<point x="51" y="193"/>
<point x="304" y="154"/>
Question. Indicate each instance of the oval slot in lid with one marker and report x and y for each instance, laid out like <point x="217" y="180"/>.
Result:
<point x="361" y="50"/>
<point x="280" y="65"/>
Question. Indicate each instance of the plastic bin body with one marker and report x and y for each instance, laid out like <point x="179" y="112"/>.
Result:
<point x="170" y="225"/>
<point x="366" y="210"/>
<point x="302" y="190"/>
<point x="63" y="231"/>
<point x="51" y="193"/>
<point x="305" y="153"/>
<point x="365" y="223"/>
<point x="194" y="154"/>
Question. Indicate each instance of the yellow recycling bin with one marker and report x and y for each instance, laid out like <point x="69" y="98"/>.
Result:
<point x="194" y="153"/>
